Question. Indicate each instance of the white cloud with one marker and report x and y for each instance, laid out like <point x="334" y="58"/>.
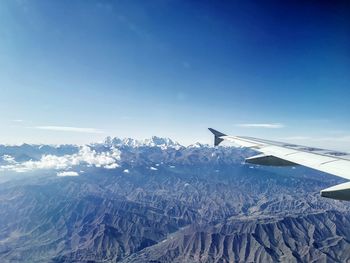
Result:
<point x="301" y="138"/>
<point x="85" y="156"/>
<point x="68" y="173"/>
<point x="153" y="168"/>
<point x="68" y="129"/>
<point x="18" y="120"/>
<point x="126" y="171"/>
<point x="261" y="125"/>
<point x="111" y="166"/>
<point x="345" y="139"/>
<point x="9" y="159"/>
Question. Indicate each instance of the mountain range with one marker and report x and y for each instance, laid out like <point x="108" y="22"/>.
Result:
<point x="154" y="200"/>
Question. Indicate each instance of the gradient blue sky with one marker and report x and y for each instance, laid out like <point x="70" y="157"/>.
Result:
<point x="174" y="68"/>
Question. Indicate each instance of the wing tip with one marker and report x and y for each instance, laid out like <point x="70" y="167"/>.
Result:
<point x="217" y="135"/>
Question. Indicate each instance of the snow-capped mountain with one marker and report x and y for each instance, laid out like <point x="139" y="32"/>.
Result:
<point x="110" y="154"/>
<point x="125" y="200"/>
<point x="154" y="141"/>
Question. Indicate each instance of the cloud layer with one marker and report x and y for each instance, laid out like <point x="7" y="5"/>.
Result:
<point x="85" y="156"/>
<point x="68" y="173"/>
<point x="261" y="125"/>
<point x="68" y="129"/>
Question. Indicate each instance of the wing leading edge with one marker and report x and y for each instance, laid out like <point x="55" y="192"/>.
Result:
<point x="285" y="154"/>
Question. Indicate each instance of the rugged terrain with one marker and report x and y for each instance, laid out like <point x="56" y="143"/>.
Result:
<point x="157" y="201"/>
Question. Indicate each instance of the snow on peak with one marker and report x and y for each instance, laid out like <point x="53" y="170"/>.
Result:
<point x="154" y="141"/>
<point x="160" y="142"/>
<point x="198" y="145"/>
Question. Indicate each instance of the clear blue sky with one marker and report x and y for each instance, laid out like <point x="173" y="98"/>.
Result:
<point x="174" y="68"/>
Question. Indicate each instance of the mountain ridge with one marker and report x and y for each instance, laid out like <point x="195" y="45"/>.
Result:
<point x="174" y="204"/>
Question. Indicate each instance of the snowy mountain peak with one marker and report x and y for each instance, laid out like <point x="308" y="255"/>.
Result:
<point x="162" y="142"/>
<point x="154" y="141"/>
<point x="198" y="145"/>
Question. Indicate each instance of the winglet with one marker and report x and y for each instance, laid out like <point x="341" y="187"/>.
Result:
<point x="217" y="135"/>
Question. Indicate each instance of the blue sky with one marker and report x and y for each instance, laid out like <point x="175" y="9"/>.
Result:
<point x="77" y="71"/>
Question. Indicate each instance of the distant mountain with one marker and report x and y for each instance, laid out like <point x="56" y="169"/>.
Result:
<point x="154" y="141"/>
<point x="157" y="201"/>
<point x="111" y="152"/>
<point x="26" y="152"/>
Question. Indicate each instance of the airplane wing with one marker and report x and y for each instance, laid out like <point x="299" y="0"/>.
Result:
<point x="286" y="154"/>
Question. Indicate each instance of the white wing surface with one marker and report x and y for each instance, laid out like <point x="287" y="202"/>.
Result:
<point x="285" y="154"/>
